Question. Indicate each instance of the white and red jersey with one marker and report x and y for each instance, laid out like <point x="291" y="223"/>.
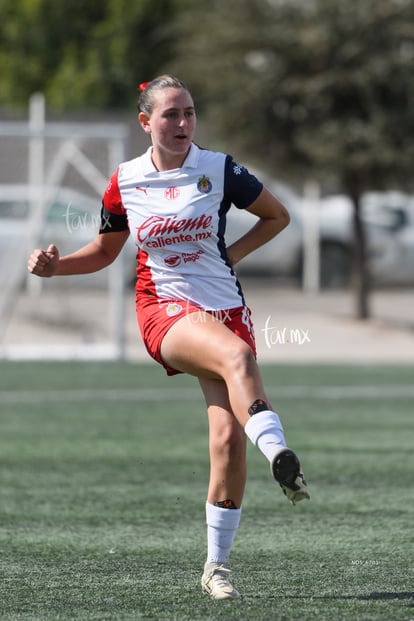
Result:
<point x="177" y="219"/>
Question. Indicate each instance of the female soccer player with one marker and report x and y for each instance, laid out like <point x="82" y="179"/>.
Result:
<point x="192" y="315"/>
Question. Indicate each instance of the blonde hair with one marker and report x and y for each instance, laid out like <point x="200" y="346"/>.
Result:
<point x="146" y="97"/>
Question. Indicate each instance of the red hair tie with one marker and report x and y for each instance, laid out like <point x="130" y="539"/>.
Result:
<point x="143" y="86"/>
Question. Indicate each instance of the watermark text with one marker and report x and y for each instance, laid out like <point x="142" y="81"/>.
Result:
<point x="284" y="336"/>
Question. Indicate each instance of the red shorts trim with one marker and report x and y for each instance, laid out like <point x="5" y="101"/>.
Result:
<point x="155" y="318"/>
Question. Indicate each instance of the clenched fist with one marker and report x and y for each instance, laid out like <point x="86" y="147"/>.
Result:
<point x="44" y="262"/>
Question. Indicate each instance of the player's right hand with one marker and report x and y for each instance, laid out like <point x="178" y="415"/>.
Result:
<point x="44" y="262"/>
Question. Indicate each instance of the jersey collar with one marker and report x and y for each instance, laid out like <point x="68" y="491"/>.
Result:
<point x="191" y="160"/>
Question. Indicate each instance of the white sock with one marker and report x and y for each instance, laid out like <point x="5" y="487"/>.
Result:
<point x="221" y="529"/>
<point x="266" y="432"/>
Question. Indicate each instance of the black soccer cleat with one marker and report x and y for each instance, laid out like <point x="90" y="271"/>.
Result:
<point x="285" y="468"/>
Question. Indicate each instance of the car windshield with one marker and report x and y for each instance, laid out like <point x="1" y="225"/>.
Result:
<point x="14" y="209"/>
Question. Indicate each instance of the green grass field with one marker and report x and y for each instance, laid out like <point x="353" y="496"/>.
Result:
<point x="103" y="478"/>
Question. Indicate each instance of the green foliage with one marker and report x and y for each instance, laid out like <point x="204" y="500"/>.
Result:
<point x="315" y="88"/>
<point x="81" y="53"/>
<point x="323" y="88"/>
<point x="104" y="472"/>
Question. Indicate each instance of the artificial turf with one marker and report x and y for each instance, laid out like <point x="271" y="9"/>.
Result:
<point x="103" y="477"/>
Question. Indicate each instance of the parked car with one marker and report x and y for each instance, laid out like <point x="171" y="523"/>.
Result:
<point x="388" y="219"/>
<point x="71" y="220"/>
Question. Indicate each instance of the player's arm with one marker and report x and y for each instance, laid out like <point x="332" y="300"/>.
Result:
<point x="273" y="217"/>
<point x="96" y="255"/>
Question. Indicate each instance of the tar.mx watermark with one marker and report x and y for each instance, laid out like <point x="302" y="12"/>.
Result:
<point x="284" y="336"/>
<point x="79" y="221"/>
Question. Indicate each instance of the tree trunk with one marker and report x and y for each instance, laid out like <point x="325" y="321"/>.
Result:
<point x="360" y="277"/>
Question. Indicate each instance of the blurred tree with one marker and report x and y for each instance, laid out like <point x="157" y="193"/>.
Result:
<point x="82" y="53"/>
<point x="318" y="88"/>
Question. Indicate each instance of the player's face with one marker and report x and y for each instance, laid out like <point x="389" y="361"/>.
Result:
<point x="171" y="125"/>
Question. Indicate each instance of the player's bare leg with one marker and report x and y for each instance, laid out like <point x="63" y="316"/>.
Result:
<point x="200" y="345"/>
<point x="227" y="447"/>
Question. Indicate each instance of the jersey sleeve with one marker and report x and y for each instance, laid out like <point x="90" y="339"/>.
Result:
<point x="240" y="187"/>
<point x="113" y="214"/>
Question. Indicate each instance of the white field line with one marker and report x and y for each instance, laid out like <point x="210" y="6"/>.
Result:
<point x="383" y="391"/>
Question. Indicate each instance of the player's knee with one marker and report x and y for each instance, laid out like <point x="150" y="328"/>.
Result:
<point x="241" y="359"/>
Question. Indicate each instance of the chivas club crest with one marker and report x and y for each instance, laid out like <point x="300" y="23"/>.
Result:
<point x="204" y="185"/>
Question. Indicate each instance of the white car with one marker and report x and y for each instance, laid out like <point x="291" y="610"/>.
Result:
<point x="71" y="220"/>
<point x="388" y="220"/>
